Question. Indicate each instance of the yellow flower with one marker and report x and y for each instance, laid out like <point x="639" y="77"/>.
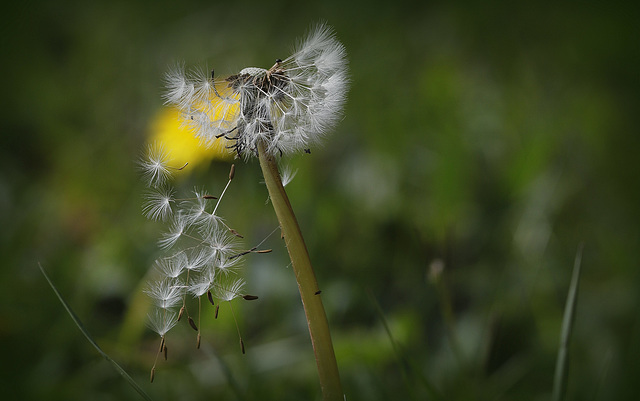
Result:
<point x="181" y="144"/>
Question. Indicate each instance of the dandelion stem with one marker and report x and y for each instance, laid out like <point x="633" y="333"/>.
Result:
<point x="305" y="276"/>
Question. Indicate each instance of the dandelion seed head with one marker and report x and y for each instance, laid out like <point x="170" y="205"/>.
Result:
<point x="253" y="71"/>
<point x="288" y="107"/>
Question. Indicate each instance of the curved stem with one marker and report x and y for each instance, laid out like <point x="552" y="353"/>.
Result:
<point x="305" y="276"/>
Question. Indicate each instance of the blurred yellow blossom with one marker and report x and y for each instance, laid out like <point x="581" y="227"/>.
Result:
<point x="181" y="144"/>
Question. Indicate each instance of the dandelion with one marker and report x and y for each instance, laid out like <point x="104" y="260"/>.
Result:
<point x="267" y="113"/>
<point x="288" y="107"/>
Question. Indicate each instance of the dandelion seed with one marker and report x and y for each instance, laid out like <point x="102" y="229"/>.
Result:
<point x="196" y="208"/>
<point x="227" y="265"/>
<point x="237" y="327"/>
<point x="172" y="267"/>
<point x="175" y="232"/>
<point x="202" y="284"/>
<point x="192" y="324"/>
<point x="221" y="245"/>
<point x="287" y="175"/>
<point x="229" y="291"/>
<point x="197" y="260"/>
<point x="235" y="233"/>
<point x="165" y="293"/>
<point x="161" y="321"/>
<point x="155" y="167"/>
<point x="158" y="204"/>
<point x="178" y="87"/>
<point x="208" y="224"/>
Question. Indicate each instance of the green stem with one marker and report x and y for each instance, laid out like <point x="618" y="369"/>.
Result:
<point x="307" y="284"/>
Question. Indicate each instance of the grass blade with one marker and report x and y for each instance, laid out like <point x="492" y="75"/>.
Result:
<point x="562" y="364"/>
<point x="84" y="331"/>
<point x="406" y="365"/>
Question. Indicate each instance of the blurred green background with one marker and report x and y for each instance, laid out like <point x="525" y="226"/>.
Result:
<point x="483" y="142"/>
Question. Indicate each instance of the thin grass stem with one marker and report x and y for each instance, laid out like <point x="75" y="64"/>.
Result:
<point x="562" y="363"/>
<point x="95" y="345"/>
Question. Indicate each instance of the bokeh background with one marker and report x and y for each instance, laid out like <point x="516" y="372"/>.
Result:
<point x="483" y="142"/>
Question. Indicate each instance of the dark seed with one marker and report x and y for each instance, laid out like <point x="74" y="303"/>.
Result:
<point x="210" y="297"/>
<point x="234" y="232"/>
<point x="193" y="324"/>
<point x="250" y="297"/>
